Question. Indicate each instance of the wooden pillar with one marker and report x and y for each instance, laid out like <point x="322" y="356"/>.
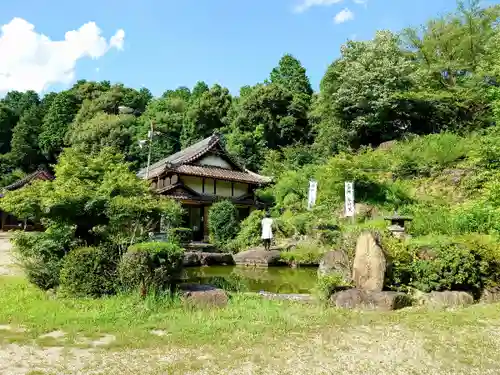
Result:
<point x="205" y="221"/>
<point x="3" y="216"/>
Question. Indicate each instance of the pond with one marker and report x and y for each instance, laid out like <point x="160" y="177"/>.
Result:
<point x="254" y="279"/>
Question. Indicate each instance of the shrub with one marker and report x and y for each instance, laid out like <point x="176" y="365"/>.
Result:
<point x="454" y="267"/>
<point x="468" y="264"/>
<point x="423" y="156"/>
<point x="249" y="234"/>
<point x="328" y="284"/>
<point x="151" y="266"/>
<point x="89" y="272"/>
<point x="470" y="217"/>
<point x="41" y="254"/>
<point x="223" y="222"/>
<point x="303" y="254"/>
<point x="293" y="223"/>
<point x="180" y="235"/>
<point x="44" y="273"/>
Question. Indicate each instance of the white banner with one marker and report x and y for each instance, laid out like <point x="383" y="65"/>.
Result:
<point x="313" y="187"/>
<point x="349" y="199"/>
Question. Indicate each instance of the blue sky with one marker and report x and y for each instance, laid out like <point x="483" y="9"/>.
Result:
<point x="231" y="42"/>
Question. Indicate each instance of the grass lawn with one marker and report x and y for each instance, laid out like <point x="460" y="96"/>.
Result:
<point x="250" y="336"/>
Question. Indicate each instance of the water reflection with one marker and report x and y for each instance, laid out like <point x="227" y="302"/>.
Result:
<point x="254" y="279"/>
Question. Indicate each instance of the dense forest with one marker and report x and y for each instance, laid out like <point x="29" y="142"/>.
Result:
<point x="429" y="79"/>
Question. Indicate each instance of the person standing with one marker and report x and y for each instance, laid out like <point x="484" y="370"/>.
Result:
<point x="267" y="231"/>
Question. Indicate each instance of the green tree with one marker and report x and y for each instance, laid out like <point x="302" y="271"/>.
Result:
<point x="89" y="90"/>
<point x="223" y="222"/>
<point x="103" y="130"/>
<point x="20" y="102"/>
<point x="207" y="112"/>
<point x="266" y="118"/>
<point x="449" y="49"/>
<point x="25" y="152"/>
<point x="356" y="105"/>
<point x="56" y="122"/>
<point x="183" y="93"/>
<point x="291" y="75"/>
<point x="98" y="195"/>
<point x="167" y="115"/>
<point x="110" y="100"/>
<point x="8" y="120"/>
<point x="199" y="89"/>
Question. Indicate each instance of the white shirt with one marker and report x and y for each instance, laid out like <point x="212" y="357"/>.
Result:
<point x="267" y="230"/>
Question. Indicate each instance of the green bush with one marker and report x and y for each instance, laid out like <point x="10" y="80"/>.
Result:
<point x="328" y="284"/>
<point x="223" y="222"/>
<point x="89" y="272"/>
<point x="293" y="223"/>
<point x="180" y="235"/>
<point x="439" y="263"/>
<point x="249" y="234"/>
<point x="41" y="254"/>
<point x="424" y="156"/>
<point x="470" y="217"/>
<point x="150" y="265"/>
<point x="44" y="273"/>
<point x="304" y="254"/>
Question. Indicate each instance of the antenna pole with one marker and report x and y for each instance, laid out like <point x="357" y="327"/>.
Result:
<point x="150" y="138"/>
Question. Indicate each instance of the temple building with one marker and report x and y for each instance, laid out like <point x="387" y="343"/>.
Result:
<point x="8" y="221"/>
<point x="200" y="175"/>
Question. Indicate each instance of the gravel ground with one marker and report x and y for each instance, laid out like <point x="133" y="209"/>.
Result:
<point x="361" y="350"/>
<point x="7" y="264"/>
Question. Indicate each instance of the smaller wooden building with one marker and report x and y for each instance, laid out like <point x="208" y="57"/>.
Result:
<point x="200" y="175"/>
<point x="8" y="221"/>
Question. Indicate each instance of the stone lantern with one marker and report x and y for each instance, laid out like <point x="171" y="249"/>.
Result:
<point x="397" y="227"/>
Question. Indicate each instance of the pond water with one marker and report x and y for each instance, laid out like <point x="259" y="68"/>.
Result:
<point x="254" y="279"/>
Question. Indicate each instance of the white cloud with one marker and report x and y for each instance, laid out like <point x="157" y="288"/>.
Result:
<point x="32" y="61"/>
<point x="361" y="2"/>
<point x="117" y="40"/>
<point x="343" y="16"/>
<point x="306" y="4"/>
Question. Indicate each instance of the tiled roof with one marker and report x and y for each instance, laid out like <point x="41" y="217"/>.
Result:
<point x="40" y="174"/>
<point x="220" y="174"/>
<point x="187" y="155"/>
<point x="180" y="162"/>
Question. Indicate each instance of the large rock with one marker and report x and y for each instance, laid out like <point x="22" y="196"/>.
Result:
<point x="366" y="300"/>
<point x="490" y="295"/>
<point x="258" y="257"/>
<point x="335" y="262"/>
<point x="203" y="295"/>
<point x="195" y="259"/>
<point x="369" y="264"/>
<point x="446" y="299"/>
<point x="191" y="259"/>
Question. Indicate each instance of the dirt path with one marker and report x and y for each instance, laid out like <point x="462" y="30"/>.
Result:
<point x="7" y="264"/>
<point x="364" y="350"/>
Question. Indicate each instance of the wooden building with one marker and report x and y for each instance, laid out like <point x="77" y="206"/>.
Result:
<point x="200" y="175"/>
<point x="8" y="221"/>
